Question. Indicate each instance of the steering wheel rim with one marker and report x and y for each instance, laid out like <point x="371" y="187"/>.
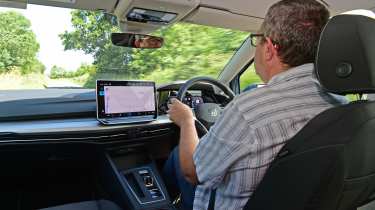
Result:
<point x="188" y="84"/>
<point x="200" y="122"/>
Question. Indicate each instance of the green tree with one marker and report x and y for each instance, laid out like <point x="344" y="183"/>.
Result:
<point x="36" y="66"/>
<point x="92" y="31"/>
<point x="18" y="44"/>
<point x="59" y="72"/>
<point x="189" y="50"/>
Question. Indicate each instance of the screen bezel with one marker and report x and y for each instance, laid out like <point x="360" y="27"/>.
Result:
<point x="100" y="100"/>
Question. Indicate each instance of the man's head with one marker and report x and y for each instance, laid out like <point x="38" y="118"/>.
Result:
<point x="148" y="42"/>
<point x="289" y="36"/>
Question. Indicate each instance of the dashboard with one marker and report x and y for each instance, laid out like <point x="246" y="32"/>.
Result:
<point x="198" y="94"/>
<point x="72" y="113"/>
<point x="192" y="98"/>
<point x="54" y="125"/>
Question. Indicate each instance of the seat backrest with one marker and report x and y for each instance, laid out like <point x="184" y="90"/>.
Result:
<point x="330" y="163"/>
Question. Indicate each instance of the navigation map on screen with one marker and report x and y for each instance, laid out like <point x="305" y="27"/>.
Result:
<point x="125" y="100"/>
<point x="120" y="99"/>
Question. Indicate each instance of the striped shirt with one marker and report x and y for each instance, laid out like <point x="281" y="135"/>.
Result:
<point x="235" y="154"/>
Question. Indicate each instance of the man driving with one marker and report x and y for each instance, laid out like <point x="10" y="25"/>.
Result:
<point x="234" y="155"/>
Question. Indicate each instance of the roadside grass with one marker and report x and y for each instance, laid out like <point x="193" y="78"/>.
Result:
<point x="67" y="82"/>
<point x="16" y="81"/>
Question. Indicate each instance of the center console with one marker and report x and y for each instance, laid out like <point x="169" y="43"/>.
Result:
<point x="135" y="185"/>
<point x="145" y="185"/>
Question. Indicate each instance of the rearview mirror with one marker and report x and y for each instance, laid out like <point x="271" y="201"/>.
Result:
<point x="136" y="40"/>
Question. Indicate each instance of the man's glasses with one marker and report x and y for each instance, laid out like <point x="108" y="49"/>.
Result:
<point x="256" y="39"/>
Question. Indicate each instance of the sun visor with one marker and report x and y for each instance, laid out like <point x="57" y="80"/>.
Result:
<point x="19" y="4"/>
<point x="345" y="61"/>
<point x="107" y="5"/>
<point x="224" y="19"/>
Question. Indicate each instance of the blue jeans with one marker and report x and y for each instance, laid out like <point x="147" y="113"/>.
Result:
<point x="174" y="179"/>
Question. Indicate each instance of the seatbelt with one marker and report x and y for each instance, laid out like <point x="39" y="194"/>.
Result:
<point x="211" y="203"/>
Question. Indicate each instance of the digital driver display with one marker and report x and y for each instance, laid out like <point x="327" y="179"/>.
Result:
<point x="125" y="99"/>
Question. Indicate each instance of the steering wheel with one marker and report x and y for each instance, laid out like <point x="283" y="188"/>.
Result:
<point x="206" y="113"/>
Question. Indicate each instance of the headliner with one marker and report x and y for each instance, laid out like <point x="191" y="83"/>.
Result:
<point x="245" y="15"/>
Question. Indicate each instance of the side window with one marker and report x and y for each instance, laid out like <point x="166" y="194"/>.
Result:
<point x="249" y="79"/>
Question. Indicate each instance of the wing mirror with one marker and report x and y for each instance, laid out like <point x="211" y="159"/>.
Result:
<point x="136" y="40"/>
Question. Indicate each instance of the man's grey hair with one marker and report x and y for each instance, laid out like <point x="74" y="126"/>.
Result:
<point x="295" y="26"/>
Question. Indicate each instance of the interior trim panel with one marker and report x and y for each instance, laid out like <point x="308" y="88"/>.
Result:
<point x="87" y="130"/>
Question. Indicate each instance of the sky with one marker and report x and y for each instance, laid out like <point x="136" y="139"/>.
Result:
<point x="47" y="23"/>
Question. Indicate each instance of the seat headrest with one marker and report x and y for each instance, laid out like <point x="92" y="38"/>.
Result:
<point x="345" y="61"/>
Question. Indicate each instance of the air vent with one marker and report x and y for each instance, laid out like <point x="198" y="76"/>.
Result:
<point x="132" y="135"/>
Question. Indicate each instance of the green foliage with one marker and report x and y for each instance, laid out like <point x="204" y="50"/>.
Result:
<point x="91" y="34"/>
<point x="59" y="72"/>
<point x="86" y="69"/>
<point x="18" y="44"/>
<point x="249" y="77"/>
<point x="35" y="67"/>
<point x="189" y="50"/>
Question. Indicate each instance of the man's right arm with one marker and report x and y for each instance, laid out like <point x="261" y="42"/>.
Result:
<point x="182" y="115"/>
<point x="226" y="143"/>
<point x="188" y="143"/>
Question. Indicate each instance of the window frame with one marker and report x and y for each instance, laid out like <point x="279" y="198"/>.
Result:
<point x="235" y="82"/>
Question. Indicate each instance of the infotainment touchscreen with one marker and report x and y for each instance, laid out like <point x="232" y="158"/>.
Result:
<point x="125" y="101"/>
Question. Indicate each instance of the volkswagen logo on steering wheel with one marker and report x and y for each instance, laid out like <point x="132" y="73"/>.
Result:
<point x="214" y="112"/>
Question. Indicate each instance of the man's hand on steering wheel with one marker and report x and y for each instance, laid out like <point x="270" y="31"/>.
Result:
<point x="191" y="127"/>
<point x="180" y="113"/>
<point x="205" y="114"/>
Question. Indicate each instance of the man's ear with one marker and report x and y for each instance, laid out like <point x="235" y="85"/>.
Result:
<point x="269" y="50"/>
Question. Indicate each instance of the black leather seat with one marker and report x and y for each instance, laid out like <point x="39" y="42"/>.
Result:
<point x="87" y="205"/>
<point x="330" y="163"/>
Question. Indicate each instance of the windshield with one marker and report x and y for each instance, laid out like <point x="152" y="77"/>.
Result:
<point x="46" y="47"/>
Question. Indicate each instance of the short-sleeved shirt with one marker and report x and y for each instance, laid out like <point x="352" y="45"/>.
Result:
<point x="235" y="154"/>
